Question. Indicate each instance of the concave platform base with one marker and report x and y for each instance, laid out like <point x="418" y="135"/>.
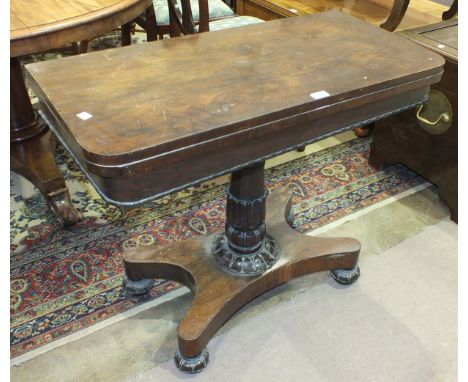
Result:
<point x="218" y="294"/>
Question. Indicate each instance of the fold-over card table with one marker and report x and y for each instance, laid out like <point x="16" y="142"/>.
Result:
<point x="147" y="120"/>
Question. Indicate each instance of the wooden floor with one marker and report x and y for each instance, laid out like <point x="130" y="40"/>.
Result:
<point x="420" y="12"/>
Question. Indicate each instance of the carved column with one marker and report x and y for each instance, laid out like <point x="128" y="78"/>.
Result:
<point x="245" y="248"/>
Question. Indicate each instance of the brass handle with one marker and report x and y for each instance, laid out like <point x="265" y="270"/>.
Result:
<point x="444" y="117"/>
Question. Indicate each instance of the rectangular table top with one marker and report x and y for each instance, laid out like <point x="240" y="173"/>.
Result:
<point x="129" y="110"/>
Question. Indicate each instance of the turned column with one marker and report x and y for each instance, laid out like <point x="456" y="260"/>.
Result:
<point x="245" y="248"/>
<point x="25" y="123"/>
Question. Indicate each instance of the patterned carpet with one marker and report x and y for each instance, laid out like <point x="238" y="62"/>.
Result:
<point x="65" y="280"/>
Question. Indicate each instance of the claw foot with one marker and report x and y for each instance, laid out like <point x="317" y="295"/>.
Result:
<point x="62" y="206"/>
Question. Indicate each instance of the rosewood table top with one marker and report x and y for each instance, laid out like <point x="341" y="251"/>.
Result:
<point x="201" y="105"/>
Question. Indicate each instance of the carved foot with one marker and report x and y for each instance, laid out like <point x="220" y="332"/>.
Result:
<point x="346" y="276"/>
<point x="62" y="206"/>
<point x="191" y="365"/>
<point x="136" y="288"/>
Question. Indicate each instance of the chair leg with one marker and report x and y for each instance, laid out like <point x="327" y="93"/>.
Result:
<point x="396" y="14"/>
<point x="151" y="24"/>
<point x="126" y="34"/>
<point x="452" y="11"/>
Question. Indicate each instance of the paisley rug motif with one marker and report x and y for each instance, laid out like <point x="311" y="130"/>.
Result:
<point x="65" y="280"/>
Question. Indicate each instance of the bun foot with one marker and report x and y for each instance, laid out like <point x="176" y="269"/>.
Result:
<point x="346" y="276"/>
<point x="191" y="365"/>
<point x="361" y="132"/>
<point x="135" y="288"/>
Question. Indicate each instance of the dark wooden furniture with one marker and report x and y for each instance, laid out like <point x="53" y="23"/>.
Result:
<point x="387" y="14"/>
<point x="183" y="23"/>
<point x="427" y="148"/>
<point x="451" y="12"/>
<point x="218" y="10"/>
<point x="227" y="102"/>
<point x="151" y="27"/>
<point x="36" y="26"/>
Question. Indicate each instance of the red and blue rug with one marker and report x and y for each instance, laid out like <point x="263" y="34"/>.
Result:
<point x="66" y="280"/>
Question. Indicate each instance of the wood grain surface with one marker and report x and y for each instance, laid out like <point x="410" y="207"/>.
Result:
<point x="205" y="92"/>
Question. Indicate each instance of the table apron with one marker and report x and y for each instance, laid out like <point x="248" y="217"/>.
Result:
<point x="132" y="187"/>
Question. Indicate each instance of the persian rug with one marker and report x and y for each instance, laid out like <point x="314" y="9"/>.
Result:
<point x="66" y="280"/>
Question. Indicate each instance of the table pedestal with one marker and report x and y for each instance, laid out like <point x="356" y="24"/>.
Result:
<point x="32" y="149"/>
<point x="227" y="270"/>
